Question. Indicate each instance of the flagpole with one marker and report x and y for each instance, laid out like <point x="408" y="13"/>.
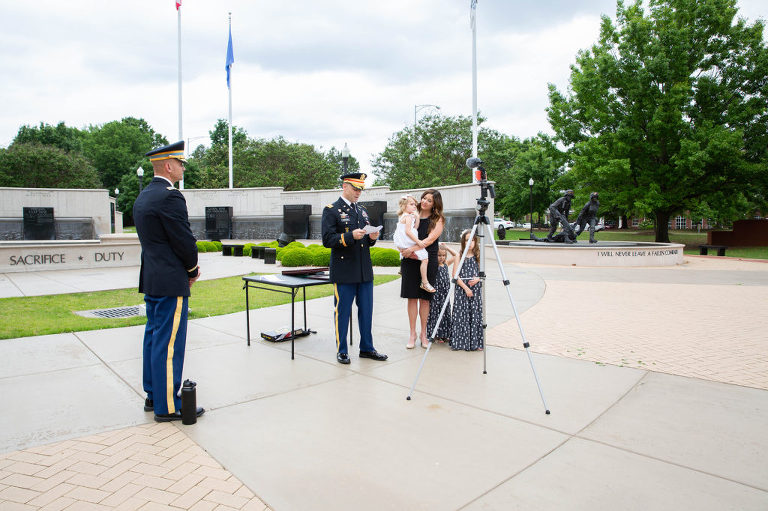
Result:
<point x="181" y="134"/>
<point x="473" y="8"/>
<point x="230" y="106"/>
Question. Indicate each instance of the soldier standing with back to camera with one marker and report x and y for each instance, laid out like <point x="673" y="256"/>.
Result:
<point x="168" y="270"/>
<point x="351" y="271"/>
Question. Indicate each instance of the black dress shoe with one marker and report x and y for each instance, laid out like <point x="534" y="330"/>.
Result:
<point x="342" y="358"/>
<point x="176" y="416"/>
<point x="148" y="405"/>
<point x="375" y="355"/>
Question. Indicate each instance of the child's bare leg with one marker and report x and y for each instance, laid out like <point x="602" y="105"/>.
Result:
<point x="425" y="285"/>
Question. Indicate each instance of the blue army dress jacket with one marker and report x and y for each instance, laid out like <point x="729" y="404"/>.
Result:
<point x="168" y="247"/>
<point x="350" y="258"/>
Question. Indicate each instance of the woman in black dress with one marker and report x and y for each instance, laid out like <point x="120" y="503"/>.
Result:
<point x="430" y="229"/>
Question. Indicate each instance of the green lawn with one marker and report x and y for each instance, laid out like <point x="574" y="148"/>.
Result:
<point x="53" y="314"/>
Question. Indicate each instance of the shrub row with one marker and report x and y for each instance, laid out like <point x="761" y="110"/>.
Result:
<point x="209" y="246"/>
<point x="297" y="254"/>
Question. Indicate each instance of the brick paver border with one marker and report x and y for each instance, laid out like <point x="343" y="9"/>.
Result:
<point x="148" y="467"/>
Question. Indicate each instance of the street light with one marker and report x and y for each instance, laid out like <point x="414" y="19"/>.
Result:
<point x="416" y="108"/>
<point x="140" y="173"/>
<point x="117" y="192"/>
<point x="530" y="186"/>
<point x="345" y="156"/>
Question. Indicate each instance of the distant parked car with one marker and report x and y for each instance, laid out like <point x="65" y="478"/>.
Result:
<point x="500" y="221"/>
<point x="526" y="225"/>
<point x="598" y="227"/>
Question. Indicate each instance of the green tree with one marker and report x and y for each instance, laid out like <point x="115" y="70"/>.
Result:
<point x="61" y="136"/>
<point x="668" y="112"/>
<point x="435" y="151"/>
<point x="129" y="189"/>
<point x="209" y="168"/>
<point x="260" y="163"/>
<point x="32" y="165"/>
<point x="277" y="162"/>
<point x="117" y="147"/>
<point x="334" y="157"/>
<point x="537" y="158"/>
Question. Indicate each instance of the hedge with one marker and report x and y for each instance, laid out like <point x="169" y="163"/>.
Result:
<point x="297" y="257"/>
<point x="385" y="257"/>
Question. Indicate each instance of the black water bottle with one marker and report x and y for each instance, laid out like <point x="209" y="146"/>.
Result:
<point x="188" y="402"/>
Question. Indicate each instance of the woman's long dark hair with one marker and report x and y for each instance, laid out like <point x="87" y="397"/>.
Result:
<point x="437" y="207"/>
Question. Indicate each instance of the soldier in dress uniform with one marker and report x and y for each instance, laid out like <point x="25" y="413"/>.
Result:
<point x="351" y="271"/>
<point x="168" y="270"/>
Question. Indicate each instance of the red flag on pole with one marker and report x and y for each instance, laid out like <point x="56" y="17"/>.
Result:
<point x="178" y="4"/>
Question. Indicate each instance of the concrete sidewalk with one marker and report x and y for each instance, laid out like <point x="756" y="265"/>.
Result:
<point x="666" y="433"/>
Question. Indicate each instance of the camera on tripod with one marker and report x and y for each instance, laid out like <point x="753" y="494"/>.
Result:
<point x="486" y="188"/>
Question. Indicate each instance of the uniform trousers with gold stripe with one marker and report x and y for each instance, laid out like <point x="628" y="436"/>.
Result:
<point x="165" y="337"/>
<point x="344" y="295"/>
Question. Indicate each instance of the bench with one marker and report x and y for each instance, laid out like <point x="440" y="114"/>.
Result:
<point x="232" y="249"/>
<point x="720" y="249"/>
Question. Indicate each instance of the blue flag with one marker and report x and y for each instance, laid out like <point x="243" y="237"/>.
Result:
<point x="230" y="56"/>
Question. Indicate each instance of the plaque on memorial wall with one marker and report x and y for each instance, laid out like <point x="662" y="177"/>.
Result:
<point x="296" y="220"/>
<point x="218" y="223"/>
<point x="39" y="224"/>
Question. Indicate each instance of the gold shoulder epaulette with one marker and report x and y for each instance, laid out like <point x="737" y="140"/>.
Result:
<point x="170" y="188"/>
<point x="329" y="206"/>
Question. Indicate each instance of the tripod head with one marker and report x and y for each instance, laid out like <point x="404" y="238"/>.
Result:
<point x="486" y="188"/>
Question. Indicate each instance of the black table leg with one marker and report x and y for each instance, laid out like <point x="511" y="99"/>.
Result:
<point x="247" y="315"/>
<point x="293" y="320"/>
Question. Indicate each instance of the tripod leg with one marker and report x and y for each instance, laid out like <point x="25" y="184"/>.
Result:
<point x="481" y="274"/>
<point x="526" y="345"/>
<point x="442" y="312"/>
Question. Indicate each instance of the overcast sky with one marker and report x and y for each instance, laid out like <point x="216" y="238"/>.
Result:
<point x="322" y="72"/>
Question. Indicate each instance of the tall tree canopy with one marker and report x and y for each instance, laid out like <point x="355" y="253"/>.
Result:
<point x="256" y="163"/>
<point x="434" y="153"/>
<point x="32" y="165"/>
<point x="117" y="147"/>
<point x="62" y="136"/>
<point x="536" y="158"/>
<point x="668" y="112"/>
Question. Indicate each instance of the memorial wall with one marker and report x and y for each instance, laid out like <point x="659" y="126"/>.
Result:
<point x="56" y="214"/>
<point x="59" y="229"/>
<point x="258" y="213"/>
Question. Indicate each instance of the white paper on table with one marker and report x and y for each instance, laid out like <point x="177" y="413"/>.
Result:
<point x="369" y="229"/>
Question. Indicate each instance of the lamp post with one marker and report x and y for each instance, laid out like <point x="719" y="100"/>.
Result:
<point x="140" y="173"/>
<point x="416" y="108"/>
<point x="345" y="156"/>
<point x="530" y="187"/>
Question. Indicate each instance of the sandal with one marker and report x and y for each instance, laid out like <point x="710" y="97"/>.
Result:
<point x="426" y="286"/>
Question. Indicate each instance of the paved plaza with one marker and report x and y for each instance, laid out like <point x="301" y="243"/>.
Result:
<point x="657" y="379"/>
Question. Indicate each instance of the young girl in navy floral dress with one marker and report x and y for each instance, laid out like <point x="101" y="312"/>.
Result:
<point x="445" y="257"/>
<point x="467" y="331"/>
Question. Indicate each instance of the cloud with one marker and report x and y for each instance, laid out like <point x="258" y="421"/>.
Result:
<point x="322" y="73"/>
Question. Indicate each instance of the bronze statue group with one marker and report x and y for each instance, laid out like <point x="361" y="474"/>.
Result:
<point x="558" y="215"/>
